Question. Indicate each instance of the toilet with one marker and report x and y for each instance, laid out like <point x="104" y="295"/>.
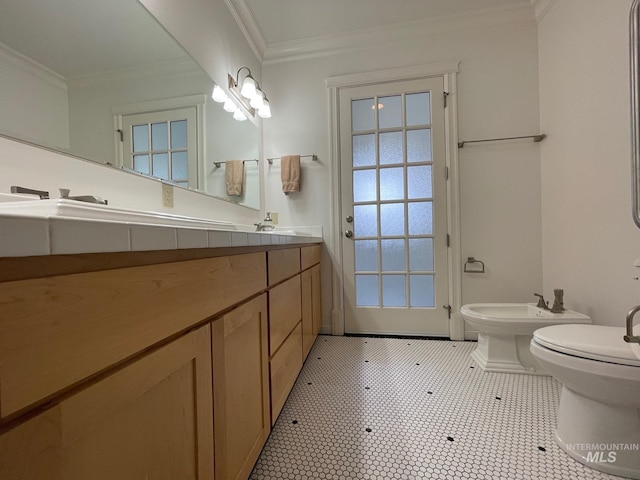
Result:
<point x="505" y="331"/>
<point x="599" y="412"/>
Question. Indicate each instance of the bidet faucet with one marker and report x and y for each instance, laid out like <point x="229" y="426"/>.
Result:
<point x="558" y="304"/>
<point x="541" y="303"/>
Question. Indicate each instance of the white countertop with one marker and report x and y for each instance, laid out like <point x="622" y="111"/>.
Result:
<point x="60" y="226"/>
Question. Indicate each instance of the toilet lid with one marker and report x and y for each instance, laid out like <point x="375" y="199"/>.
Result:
<point x="595" y="342"/>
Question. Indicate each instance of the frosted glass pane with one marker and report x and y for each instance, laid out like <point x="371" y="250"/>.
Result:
<point x="179" y="165"/>
<point x="419" y="182"/>
<point x="366" y="255"/>
<point x="394" y="292"/>
<point x="393" y="255"/>
<point x="391" y="148"/>
<point x="362" y="115"/>
<point x="390" y="114"/>
<point x="391" y="184"/>
<point x="141" y="164"/>
<point x="367" y="291"/>
<point x="161" y="165"/>
<point x="364" y="186"/>
<point x="420" y="218"/>
<point x="364" y="150"/>
<point x="365" y="221"/>
<point x="179" y="134"/>
<point x="140" y="137"/>
<point x="419" y="145"/>
<point x="418" y="109"/>
<point x="392" y="219"/>
<point x="422" y="291"/>
<point x="421" y="254"/>
<point x="159" y="136"/>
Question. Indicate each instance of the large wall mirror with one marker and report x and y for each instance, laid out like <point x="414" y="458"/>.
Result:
<point x="85" y="76"/>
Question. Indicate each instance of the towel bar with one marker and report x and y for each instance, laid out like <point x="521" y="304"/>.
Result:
<point x="217" y="164"/>
<point x="313" y="156"/>
<point x="536" y="139"/>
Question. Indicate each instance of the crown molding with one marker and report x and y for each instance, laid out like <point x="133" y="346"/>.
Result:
<point x="24" y="63"/>
<point x="246" y="21"/>
<point x="357" y="40"/>
<point x="542" y="7"/>
<point x="164" y="69"/>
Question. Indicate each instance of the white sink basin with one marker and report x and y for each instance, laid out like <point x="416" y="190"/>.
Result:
<point x="516" y="318"/>
<point x="91" y="211"/>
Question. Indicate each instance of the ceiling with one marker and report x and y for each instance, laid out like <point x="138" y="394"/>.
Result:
<point x="282" y="21"/>
<point x="82" y="37"/>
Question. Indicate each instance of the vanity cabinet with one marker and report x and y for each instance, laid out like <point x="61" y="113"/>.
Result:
<point x="151" y="365"/>
<point x="311" y="297"/>
<point x="311" y="308"/>
<point x="151" y="418"/>
<point x="241" y="388"/>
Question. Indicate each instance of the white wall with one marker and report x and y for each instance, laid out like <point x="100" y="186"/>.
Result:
<point x="211" y="34"/>
<point x="33" y="101"/>
<point x="589" y="238"/>
<point x="500" y="183"/>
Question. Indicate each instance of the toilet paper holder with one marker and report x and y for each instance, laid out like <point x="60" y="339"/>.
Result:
<point x="472" y="261"/>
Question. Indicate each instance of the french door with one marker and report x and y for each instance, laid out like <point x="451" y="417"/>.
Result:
<point x="394" y="225"/>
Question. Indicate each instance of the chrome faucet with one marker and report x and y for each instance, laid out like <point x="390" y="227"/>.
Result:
<point x="41" y="193"/>
<point x="541" y="303"/>
<point x="267" y="225"/>
<point x="558" y="304"/>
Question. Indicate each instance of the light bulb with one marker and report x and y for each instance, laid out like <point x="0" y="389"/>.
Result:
<point x="257" y="100"/>
<point x="265" y="110"/>
<point x="229" y="106"/>
<point x="248" y="87"/>
<point x="238" y="115"/>
<point x="218" y="94"/>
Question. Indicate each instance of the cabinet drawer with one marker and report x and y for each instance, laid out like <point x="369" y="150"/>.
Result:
<point x="57" y="331"/>
<point x="309" y="256"/>
<point x="117" y="427"/>
<point x="285" y="311"/>
<point x="283" y="264"/>
<point x="284" y="368"/>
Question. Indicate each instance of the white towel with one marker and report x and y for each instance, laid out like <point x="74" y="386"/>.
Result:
<point x="290" y="173"/>
<point x="234" y="171"/>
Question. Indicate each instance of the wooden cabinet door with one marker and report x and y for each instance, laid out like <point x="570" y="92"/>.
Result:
<point x="241" y="388"/>
<point x="150" y="419"/>
<point x="316" y="296"/>
<point x="308" y="329"/>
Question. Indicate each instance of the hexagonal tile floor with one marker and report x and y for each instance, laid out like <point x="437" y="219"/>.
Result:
<point x="392" y="408"/>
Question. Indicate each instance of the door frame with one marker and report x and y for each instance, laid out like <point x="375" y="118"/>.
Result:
<point x="448" y="72"/>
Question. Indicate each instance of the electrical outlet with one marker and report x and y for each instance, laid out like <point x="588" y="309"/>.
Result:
<point x="274" y="217"/>
<point x="167" y="195"/>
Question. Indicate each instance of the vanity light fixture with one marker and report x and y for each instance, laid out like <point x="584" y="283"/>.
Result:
<point x="249" y="94"/>
<point x="218" y="95"/>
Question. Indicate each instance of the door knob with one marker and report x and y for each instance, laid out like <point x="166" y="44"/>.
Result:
<point x="348" y="234"/>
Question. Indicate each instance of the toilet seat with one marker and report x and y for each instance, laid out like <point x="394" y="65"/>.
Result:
<point x="593" y="342"/>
